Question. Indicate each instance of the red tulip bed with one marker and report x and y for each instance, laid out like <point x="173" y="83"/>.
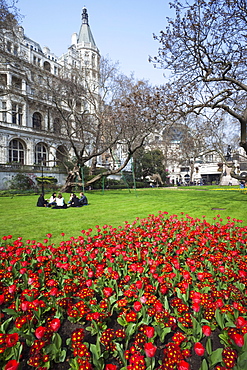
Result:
<point x="164" y="293"/>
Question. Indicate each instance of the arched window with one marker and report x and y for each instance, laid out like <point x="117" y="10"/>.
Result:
<point x="16" y="151"/>
<point x="40" y="154"/>
<point x="47" y="66"/>
<point x="37" y="119"/>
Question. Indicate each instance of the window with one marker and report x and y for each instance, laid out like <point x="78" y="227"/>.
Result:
<point x="57" y="125"/>
<point x="3" y="79"/>
<point x="14" y="112"/>
<point x="47" y="66"/>
<point x="40" y="154"/>
<point x="17" y="114"/>
<point x="9" y="46"/>
<point x="4" y="111"/>
<point x="37" y="119"/>
<point x="16" y="82"/>
<point x="16" y="151"/>
<point x="15" y="50"/>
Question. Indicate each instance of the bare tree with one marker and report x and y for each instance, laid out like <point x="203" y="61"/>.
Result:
<point x="9" y="14"/>
<point x="99" y="116"/>
<point x="204" y="47"/>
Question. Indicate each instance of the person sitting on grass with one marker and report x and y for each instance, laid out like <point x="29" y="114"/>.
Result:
<point x="52" y="200"/>
<point x="60" y="202"/>
<point x="83" y="199"/>
<point x="41" y="202"/>
<point x="74" y="201"/>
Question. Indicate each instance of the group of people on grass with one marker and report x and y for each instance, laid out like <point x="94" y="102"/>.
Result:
<point x="58" y="202"/>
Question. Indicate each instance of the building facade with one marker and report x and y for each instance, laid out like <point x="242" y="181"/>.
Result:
<point x="31" y="140"/>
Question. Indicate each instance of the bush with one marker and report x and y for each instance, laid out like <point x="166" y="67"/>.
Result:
<point x="46" y="180"/>
<point x="22" y="182"/>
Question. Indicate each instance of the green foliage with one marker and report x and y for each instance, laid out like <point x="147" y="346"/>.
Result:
<point x="147" y="163"/>
<point x="46" y="180"/>
<point x="22" y="182"/>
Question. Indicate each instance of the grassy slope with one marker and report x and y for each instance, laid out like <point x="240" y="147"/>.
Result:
<point x="19" y="215"/>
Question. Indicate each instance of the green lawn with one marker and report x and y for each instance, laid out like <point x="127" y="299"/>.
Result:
<point x="19" y="215"/>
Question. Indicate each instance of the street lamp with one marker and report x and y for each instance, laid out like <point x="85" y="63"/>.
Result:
<point x="42" y="175"/>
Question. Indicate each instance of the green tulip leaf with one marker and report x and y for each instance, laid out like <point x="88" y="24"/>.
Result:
<point x="216" y="356"/>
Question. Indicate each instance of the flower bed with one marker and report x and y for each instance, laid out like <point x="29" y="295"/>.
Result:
<point x="163" y="293"/>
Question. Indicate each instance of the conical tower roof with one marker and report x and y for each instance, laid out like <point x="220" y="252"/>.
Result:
<point x="85" y="34"/>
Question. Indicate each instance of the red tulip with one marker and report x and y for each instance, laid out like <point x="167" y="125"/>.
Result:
<point x="206" y="330"/>
<point x="158" y="306"/>
<point x="110" y="367"/>
<point x="196" y="297"/>
<point x="199" y="349"/>
<point x="183" y="365"/>
<point x="107" y="292"/>
<point x="238" y="339"/>
<point x="200" y="276"/>
<point x="138" y="284"/>
<point x="149" y="331"/>
<point x="11" y="365"/>
<point x="196" y="307"/>
<point x="219" y="303"/>
<point x="241" y="322"/>
<point x="1" y="298"/>
<point x="53" y="291"/>
<point x="137" y="306"/>
<point x="12" y="288"/>
<point x="55" y="324"/>
<point x="40" y="332"/>
<point x="150" y="349"/>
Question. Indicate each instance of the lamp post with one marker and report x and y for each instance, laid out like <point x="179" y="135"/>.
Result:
<point x="42" y="175"/>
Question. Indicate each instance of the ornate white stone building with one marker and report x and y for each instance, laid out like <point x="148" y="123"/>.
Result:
<point x="30" y="136"/>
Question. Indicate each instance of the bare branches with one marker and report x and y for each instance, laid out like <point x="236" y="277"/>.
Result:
<point x="205" y="49"/>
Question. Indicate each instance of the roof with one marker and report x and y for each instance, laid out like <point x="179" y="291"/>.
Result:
<point x="85" y="34"/>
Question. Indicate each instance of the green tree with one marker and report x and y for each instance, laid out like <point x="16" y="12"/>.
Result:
<point x="150" y="163"/>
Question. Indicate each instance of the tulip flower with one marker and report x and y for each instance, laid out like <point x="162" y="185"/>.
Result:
<point x="199" y="349"/>
<point x="206" y="330"/>
<point x="110" y="367"/>
<point x="54" y="325"/>
<point x="40" y="332"/>
<point x="107" y="292"/>
<point x="238" y="339"/>
<point x="11" y="365"/>
<point x="149" y="331"/>
<point x="150" y="349"/>
<point x="137" y="306"/>
<point x="183" y="365"/>
<point x="241" y="322"/>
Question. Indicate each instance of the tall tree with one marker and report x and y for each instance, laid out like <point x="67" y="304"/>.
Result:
<point x="204" y="47"/>
<point x="102" y="116"/>
<point x="150" y="164"/>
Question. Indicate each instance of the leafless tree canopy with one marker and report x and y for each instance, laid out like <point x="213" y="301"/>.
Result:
<point x="100" y="116"/>
<point x="205" y="48"/>
<point x="8" y="14"/>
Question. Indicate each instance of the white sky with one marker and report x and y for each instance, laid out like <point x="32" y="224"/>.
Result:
<point x="122" y="29"/>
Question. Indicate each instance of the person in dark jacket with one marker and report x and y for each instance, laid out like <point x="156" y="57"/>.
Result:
<point x="74" y="201"/>
<point x="83" y="199"/>
<point x="41" y="202"/>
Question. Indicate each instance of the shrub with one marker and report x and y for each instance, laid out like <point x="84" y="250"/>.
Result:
<point x="22" y="182"/>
